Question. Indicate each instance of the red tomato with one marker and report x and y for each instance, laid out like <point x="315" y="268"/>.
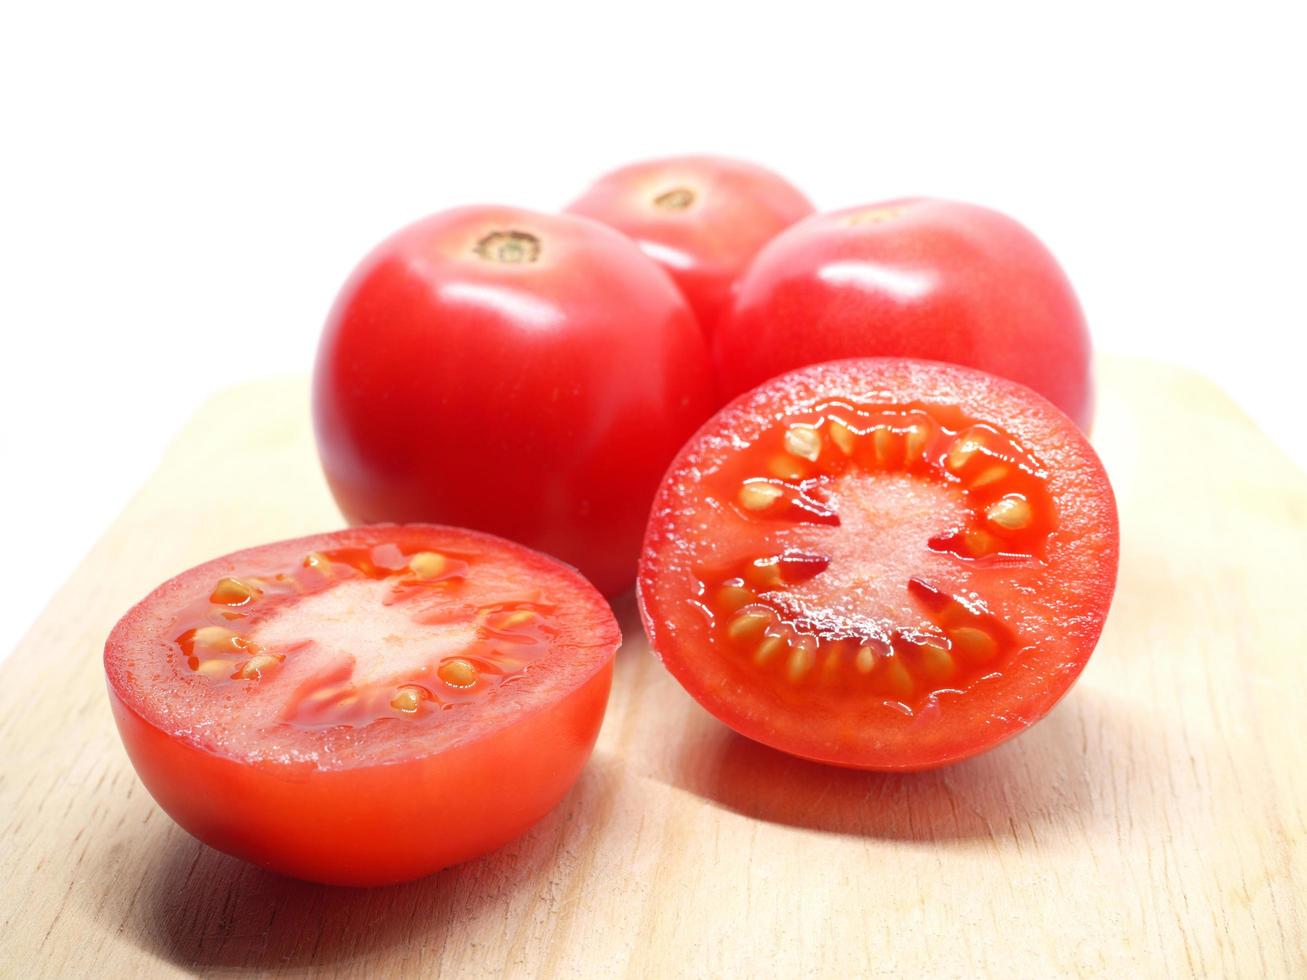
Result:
<point x="525" y="374"/>
<point x="367" y="706"/>
<point x="881" y="563"/>
<point x="703" y="218"/>
<point x="913" y="278"/>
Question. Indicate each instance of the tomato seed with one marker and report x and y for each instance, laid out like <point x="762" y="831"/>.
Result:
<point x="786" y="467"/>
<point x="759" y="496"/>
<point x="991" y="474"/>
<point x="748" y="625"/>
<point x="519" y="618"/>
<point x="936" y="663"/>
<point x="884" y="443"/>
<point x="232" y="592"/>
<point x="428" y="564"/>
<point x="897" y="678"/>
<point x="843" y="437"/>
<point x="973" y="643"/>
<point x="408" y="699"/>
<point x="802" y="658"/>
<point x="961" y="452"/>
<point x="732" y="597"/>
<point x="769" y="648"/>
<point x="1012" y="513"/>
<point x="980" y="542"/>
<point x="803" y="441"/>
<point x="458" y="672"/>
<point x="915" y="438"/>
<point x="256" y="666"/>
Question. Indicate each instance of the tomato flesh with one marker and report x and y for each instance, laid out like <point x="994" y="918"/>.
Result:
<point x="881" y="563"/>
<point x="367" y="706"/>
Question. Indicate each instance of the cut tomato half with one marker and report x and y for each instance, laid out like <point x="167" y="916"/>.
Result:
<point x="366" y="706"/>
<point x="881" y="563"/>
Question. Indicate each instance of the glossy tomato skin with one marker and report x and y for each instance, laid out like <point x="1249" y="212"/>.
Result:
<point x="374" y="805"/>
<point x="703" y="218"/>
<point x="1060" y="603"/>
<point x="379" y="825"/>
<point x="922" y="278"/>
<point x="524" y="374"/>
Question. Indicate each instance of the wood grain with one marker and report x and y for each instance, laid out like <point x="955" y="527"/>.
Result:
<point x="1152" y="826"/>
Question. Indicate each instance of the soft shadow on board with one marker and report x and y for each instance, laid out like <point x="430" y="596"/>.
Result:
<point x="196" y="907"/>
<point x="1054" y="772"/>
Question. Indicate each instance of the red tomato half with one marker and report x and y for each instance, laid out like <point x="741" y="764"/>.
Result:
<point x="367" y="706"/>
<point x="913" y="278"/>
<point x="525" y="374"/>
<point x="701" y="217"/>
<point x="881" y="563"/>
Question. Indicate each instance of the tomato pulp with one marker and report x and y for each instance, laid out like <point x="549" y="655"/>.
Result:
<point x="881" y="563"/>
<point x="920" y="278"/>
<point x="701" y="217"/>
<point x="524" y="374"/>
<point x="367" y="706"/>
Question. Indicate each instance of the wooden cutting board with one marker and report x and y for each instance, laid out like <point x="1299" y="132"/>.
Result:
<point x="1153" y="825"/>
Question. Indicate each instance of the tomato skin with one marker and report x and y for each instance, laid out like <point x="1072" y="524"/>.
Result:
<point x="1073" y="602"/>
<point x="538" y="400"/>
<point x="377" y="804"/>
<point x="922" y="278"/>
<point x="379" y="825"/>
<point x="737" y="208"/>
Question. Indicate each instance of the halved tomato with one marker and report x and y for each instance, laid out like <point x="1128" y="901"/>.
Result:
<point x="367" y="706"/>
<point x="881" y="563"/>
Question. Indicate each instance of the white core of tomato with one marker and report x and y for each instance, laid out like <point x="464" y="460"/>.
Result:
<point x="886" y="520"/>
<point x="350" y="623"/>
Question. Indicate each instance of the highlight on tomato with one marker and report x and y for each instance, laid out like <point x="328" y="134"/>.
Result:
<point x="366" y="706"/>
<point x="917" y="277"/>
<point x="881" y="563"/>
<point x="525" y="374"/>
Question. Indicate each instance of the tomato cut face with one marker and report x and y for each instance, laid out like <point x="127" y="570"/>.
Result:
<point x="366" y="706"/>
<point x="881" y="563"/>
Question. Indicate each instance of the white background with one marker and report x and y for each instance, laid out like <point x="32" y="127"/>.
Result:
<point x="184" y="189"/>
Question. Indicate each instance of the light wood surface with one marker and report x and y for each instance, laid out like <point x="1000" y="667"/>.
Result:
<point x="1152" y="825"/>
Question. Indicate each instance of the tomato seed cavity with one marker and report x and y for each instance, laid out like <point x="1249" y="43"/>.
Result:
<point x="418" y="616"/>
<point x="1011" y="515"/>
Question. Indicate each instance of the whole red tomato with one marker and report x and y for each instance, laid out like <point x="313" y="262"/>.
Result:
<point x="912" y="278"/>
<point x="525" y="374"/>
<point x="701" y="217"/>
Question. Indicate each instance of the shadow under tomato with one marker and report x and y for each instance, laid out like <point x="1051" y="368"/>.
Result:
<point x="1047" y="774"/>
<point x="201" y="909"/>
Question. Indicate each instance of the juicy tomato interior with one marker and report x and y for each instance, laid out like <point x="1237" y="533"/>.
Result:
<point x="881" y="563"/>
<point x="406" y="657"/>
